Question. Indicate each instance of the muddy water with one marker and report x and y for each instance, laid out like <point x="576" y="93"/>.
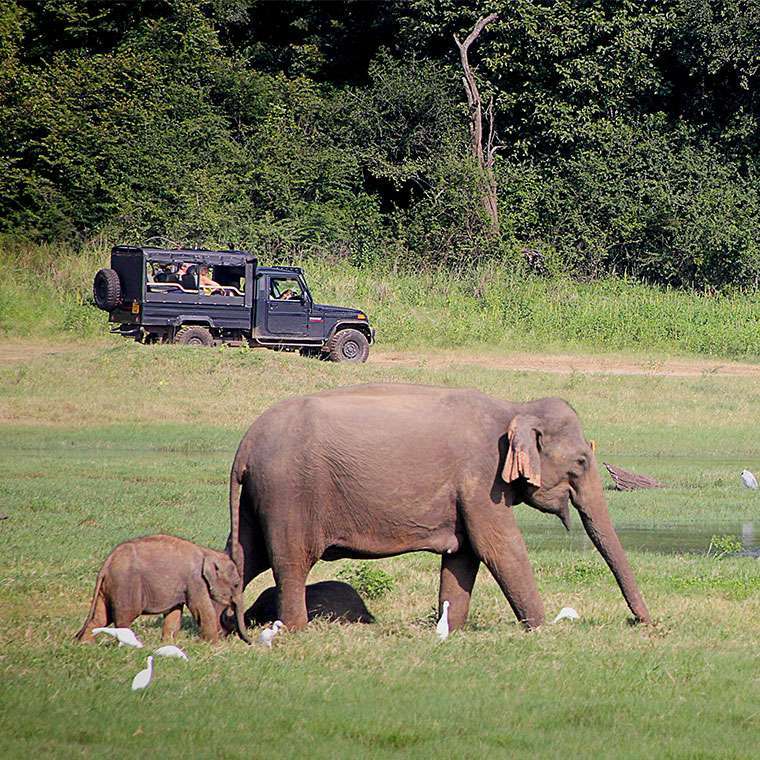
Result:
<point x="662" y="539"/>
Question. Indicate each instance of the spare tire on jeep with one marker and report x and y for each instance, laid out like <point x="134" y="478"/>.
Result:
<point x="106" y="289"/>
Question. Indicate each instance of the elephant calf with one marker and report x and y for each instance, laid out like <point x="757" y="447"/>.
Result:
<point x="331" y="600"/>
<point x="159" y="575"/>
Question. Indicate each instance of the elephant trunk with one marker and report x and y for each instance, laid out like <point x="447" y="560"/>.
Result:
<point x="239" y="604"/>
<point x="592" y="506"/>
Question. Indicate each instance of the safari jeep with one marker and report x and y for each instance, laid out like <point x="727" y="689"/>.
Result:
<point x="206" y="298"/>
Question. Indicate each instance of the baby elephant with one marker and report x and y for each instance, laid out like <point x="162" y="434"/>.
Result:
<point x="332" y="600"/>
<point x="159" y="575"/>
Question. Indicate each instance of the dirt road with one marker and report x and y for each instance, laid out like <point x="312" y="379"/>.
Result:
<point x="22" y="351"/>
<point x="568" y="363"/>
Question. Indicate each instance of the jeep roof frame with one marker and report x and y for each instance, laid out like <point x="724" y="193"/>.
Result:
<point x="190" y="255"/>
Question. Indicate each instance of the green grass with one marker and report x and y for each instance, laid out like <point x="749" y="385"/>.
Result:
<point x="105" y="442"/>
<point x="46" y="291"/>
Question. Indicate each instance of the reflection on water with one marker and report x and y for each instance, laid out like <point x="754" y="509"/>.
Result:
<point x="662" y="539"/>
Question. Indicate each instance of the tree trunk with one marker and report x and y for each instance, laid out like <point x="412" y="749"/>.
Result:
<point x="625" y="480"/>
<point x="483" y="156"/>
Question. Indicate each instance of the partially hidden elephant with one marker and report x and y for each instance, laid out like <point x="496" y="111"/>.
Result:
<point x="328" y="600"/>
<point x="373" y="471"/>
<point x="159" y="575"/>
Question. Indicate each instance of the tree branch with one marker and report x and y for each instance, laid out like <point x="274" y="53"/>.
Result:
<point x="476" y="122"/>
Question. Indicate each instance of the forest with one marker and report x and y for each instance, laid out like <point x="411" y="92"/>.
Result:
<point x="625" y="135"/>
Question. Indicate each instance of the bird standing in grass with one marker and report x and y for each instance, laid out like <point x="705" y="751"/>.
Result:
<point x="143" y="678"/>
<point x="171" y="651"/>
<point x="566" y="613"/>
<point x="442" y="629"/>
<point x="125" y="636"/>
<point x="749" y="480"/>
<point x="266" y="636"/>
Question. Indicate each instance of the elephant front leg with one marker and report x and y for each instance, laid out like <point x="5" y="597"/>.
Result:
<point x="458" y="573"/>
<point x="497" y="540"/>
<point x="202" y="609"/>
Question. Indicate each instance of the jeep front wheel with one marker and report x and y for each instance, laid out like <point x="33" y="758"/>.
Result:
<point x="194" y="335"/>
<point x="349" y="346"/>
<point x="106" y="289"/>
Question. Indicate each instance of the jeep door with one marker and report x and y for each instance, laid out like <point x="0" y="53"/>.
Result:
<point x="287" y="311"/>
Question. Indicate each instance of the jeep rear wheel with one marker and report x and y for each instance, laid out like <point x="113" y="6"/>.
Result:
<point x="194" y="335"/>
<point x="106" y="289"/>
<point x="349" y="346"/>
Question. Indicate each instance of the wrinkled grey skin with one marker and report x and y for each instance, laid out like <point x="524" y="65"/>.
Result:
<point x="160" y="575"/>
<point x="329" y="600"/>
<point x="377" y="470"/>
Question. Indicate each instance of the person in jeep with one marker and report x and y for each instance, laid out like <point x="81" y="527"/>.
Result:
<point x="208" y="284"/>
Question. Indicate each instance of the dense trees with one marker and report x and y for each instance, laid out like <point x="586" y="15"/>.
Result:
<point x="630" y="129"/>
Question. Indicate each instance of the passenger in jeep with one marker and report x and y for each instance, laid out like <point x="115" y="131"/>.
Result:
<point x="208" y="284"/>
<point x="188" y="276"/>
<point x="284" y="290"/>
<point x="166" y="273"/>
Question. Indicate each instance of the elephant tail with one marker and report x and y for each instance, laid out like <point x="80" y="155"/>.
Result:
<point x="98" y="590"/>
<point x="236" y="480"/>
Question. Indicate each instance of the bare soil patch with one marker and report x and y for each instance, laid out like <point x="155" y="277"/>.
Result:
<point x="567" y="364"/>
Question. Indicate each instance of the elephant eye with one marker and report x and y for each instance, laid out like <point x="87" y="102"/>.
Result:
<point x="582" y="462"/>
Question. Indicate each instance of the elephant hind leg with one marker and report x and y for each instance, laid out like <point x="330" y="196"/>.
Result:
<point x="255" y="552"/>
<point x="458" y="573"/>
<point x="100" y="618"/>
<point x="172" y="624"/>
<point x="290" y="578"/>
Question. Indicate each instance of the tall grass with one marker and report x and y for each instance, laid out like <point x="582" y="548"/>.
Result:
<point x="46" y="291"/>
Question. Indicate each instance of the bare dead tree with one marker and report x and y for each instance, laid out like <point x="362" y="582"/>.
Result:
<point x="484" y="156"/>
<point x="625" y="480"/>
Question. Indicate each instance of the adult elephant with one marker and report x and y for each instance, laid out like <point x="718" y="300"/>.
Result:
<point x="377" y="470"/>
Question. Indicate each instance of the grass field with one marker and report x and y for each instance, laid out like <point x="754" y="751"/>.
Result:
<point x="46" y="291"/>
<point x="107" y="441"/>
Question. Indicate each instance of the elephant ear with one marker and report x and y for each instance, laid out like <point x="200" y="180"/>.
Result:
<point x="210" y="572"/>
<point x="523" y="459"/>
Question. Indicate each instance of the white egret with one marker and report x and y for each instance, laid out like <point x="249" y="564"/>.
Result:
<point x="125" y="636"/>
<point x="143" y="678"/>
<point x="266" y="636"/>
<point x="171" y="651"/>
<point x="566" y="613"/>
<point x="442" y="629"/>
<point x="749" y="480"/>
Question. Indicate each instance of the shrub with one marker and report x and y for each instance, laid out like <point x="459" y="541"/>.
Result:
<point x="370" y="581"/>
<point x="720" y="546"/>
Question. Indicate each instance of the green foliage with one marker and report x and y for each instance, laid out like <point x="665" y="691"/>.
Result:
<point x="722" y="545"/>
<point x="645" y="201"/>
<point x="369" y="581"/>
<point x="738" y="585"/>
<point x="583" y="572"/>
<point x="629" y="131"/>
